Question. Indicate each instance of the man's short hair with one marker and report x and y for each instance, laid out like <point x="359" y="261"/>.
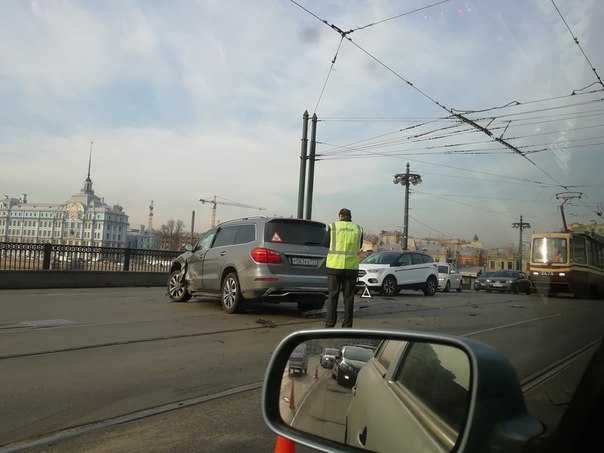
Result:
<point x="346" y="213"/>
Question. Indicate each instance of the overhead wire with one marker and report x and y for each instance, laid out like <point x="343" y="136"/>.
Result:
<point x="576" y="40"/>
<point x="456" y="113"/>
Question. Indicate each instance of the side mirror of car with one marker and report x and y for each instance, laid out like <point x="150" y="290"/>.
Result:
<point x="189" y="247"/>
<point x="412" y="392"/>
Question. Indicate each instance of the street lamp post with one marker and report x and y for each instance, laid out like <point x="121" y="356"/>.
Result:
<point x="521" y="226"/>
<point x="405" y="179"/>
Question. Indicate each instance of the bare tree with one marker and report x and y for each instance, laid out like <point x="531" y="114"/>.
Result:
<point x="172" y="235"/>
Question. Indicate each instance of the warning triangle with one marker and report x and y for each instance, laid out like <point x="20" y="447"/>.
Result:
<point x="276" y="238"/>
<point x="366" y="294"/>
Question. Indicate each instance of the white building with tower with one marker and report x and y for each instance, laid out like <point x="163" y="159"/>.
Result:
<point x="85" y="219"/>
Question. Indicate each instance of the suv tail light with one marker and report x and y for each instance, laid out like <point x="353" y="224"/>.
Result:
<point x="268" y="256"/>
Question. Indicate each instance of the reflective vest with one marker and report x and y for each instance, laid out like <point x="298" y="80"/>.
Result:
<point x="344" y="245"/>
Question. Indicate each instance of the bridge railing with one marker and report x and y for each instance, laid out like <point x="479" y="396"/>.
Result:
<point x="31" y="257"/>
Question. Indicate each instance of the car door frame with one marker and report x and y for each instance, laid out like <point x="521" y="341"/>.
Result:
<point x="195" y="261"/>
<point x="216" y="256"/>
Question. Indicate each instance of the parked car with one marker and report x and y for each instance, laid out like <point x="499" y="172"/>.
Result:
<point x="298" y="361"/>
<point x="348" y="362"/>
<point x="405" y="380"/>
<point x="508" y="280"/>
<point x="262" y="258"/>
<point x="481" y="281"/>
<point x="328" y="356"/>
<point x="448" y="277"/>
<point x="390" y="271"/>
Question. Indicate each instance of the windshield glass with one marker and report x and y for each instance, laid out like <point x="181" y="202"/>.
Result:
<point x="549" y="250"/>
<point x="381" y="258"/>
<point x="505" y="274"/>
<point x="360" y="354"/>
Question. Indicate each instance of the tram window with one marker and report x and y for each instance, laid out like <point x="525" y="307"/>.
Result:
<point x="578" y="249"/>
<point x="592" y="258"/>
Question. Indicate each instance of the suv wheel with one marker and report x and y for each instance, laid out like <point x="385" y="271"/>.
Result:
<point x="389" y="287"/>
<point x="177" y="288"/>
<point x="429" y="288"/>
<point x="231" y="293"/>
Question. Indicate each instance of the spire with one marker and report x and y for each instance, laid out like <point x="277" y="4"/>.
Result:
<point x="88" y="181"/>
<point x="151" y="215"/>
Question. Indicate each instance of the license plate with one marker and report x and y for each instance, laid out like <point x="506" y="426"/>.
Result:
<point x="304" y="262"/>
<point x="499" y="284"/>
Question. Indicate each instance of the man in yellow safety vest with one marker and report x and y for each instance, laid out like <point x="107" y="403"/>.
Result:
<point x="344" y="240"/>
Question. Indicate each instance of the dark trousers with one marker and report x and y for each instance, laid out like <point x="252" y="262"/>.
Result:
<point x="346" y="282"/>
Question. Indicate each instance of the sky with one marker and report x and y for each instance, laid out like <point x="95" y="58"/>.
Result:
<point x="186" y="100"/>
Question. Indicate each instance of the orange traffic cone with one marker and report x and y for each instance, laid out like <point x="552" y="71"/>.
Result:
<point x="292" y="404"/>
<point x="285" y="445"/>
<point x="317" y="372"/>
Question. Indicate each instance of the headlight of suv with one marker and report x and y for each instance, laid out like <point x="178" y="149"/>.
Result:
<point x="373" y="271"/>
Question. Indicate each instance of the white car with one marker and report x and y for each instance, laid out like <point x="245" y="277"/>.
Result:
<point x="448" y="277"/>
<point x="389" y="272"/>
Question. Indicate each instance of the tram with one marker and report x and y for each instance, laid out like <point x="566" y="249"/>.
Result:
<point x="568" y="263"/>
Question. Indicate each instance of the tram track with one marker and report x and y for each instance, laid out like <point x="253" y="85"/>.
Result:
<point x="304" y="321"/>
<point x="110" y="344"/>
<point x="123" y="419"/>
<point x="539" y="377"/>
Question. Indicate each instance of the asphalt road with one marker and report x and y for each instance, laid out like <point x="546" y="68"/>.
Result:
<point x="122" y="369"/>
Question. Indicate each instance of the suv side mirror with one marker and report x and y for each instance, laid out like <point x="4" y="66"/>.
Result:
<point x="416" y="391"/>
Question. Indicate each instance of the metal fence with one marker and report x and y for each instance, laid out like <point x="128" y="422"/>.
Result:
<point x="32" y="257"/>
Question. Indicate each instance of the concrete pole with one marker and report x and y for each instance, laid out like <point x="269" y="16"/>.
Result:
<point x="311" y="167"/>
<point x="302" y="178"/>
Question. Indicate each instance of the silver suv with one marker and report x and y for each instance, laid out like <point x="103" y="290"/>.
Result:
<point x="255" y="258"/>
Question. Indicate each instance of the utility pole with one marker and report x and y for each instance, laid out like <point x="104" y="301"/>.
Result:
<point x="521" y="226"/>
<point x="405" y="179"/>
<point x="311" y="167"/>
<point x="302" y="178"/>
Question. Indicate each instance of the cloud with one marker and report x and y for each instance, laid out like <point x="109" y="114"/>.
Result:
<point x="194" y="99"/>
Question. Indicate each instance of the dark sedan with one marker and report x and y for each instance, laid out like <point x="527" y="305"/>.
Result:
<point x="512" y="281"/>
<point x="348" y="362"/>
<point x="481" y="281"/>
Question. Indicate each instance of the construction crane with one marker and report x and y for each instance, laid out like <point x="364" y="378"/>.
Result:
<point x="228" y="203"/>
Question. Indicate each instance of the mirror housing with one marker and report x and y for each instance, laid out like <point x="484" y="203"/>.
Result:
<point x="496" y="418"/>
